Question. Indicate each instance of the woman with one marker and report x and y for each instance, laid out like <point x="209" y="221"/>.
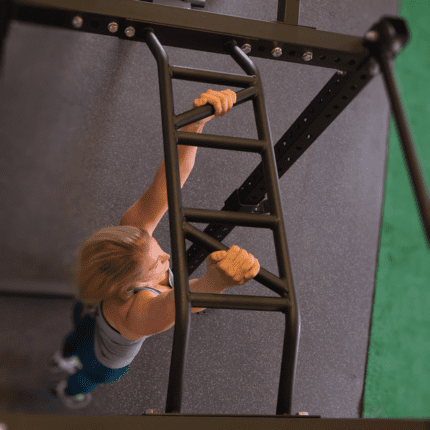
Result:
<point x="115" y="264"/>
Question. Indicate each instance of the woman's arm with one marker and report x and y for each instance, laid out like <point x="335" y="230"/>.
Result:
<point x="147" y="212"/>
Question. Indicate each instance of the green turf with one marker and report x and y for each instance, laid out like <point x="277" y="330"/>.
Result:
<point x="398" y="371"/>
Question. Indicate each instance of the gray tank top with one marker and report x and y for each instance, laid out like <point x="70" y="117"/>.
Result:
<point x="110" y="347"/>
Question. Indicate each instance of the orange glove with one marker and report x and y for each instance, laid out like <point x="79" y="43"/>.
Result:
<point x="232" y="267"/>
<point x="222" y="101"/>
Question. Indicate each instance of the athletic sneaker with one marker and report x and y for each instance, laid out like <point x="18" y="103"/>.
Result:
<point x="57" y="363"/>
<point x="78" y="401"/>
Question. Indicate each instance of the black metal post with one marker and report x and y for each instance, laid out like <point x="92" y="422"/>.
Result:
<point x="182" y="304"/>
<point x="289" y="11"/>
<point x="292" y="313"/>
<point x="384" y="40"/>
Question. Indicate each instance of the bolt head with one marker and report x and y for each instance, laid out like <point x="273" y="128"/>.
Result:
<point x="374" y="67"/>
<point x="372" y="36"/>
<point x="277" y="52"/>
<point x="307" y="56"/>
<point x="77" y="22"/>
<point x="246" y="48"/>
<point x="397" y="46"/>
<point x="130" y="31"/>
<point x="391" y="30"/>
<point x="113" y="27"/>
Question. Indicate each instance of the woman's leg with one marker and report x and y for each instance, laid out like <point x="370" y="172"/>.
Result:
<point x="72" y="341"/>
<point x="81" y="343"/>
<point x="83" y="382"/>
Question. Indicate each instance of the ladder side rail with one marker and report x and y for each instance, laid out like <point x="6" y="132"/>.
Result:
<point x="177" y="240"/>
<point x="292" y="314"/>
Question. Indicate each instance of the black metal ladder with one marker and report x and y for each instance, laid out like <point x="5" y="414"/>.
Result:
<point x="180" y="229"/>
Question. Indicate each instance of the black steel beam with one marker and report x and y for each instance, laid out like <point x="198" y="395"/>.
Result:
<point x="198" y="30"/>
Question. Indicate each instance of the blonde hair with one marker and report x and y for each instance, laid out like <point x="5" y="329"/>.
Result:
<point x="109" y="264"/>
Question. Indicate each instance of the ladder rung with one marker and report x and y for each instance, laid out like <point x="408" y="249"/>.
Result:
<point x="196" y="114"/>
<point x="229" y="301"/>
<point x="266" y="278"/>
<point x="220" y="142"/>
<point x="228" y="217"/>
<point x="208" y="76"/>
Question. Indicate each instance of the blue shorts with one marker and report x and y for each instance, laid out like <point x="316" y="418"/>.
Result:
<point x="80" y="342"/>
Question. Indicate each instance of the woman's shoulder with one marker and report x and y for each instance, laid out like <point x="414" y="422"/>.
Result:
<point x="158" y="287"/>
<point x="161" y="285"/>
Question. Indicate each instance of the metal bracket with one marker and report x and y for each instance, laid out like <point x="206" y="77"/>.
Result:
<point x="389" y="35"/>
<point x="234" y="203"/>
<point x="288" y="12"/>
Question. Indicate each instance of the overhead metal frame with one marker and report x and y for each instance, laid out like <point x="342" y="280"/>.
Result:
<point x="356" y="59"/>
<point x="197" y="30"/>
